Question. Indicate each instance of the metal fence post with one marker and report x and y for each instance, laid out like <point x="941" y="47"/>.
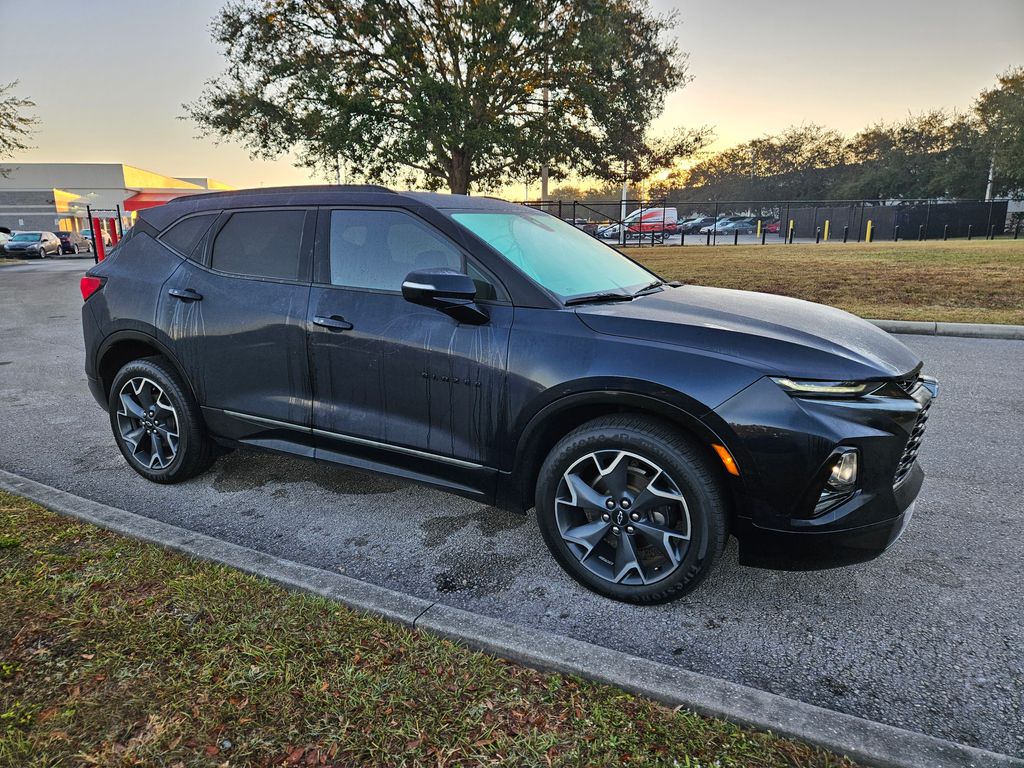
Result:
<point x="714" y="226"/>
<point x="735" y="237"/>
<point x="817" y="235"/>
<point x="970" y="231"/>
<point x="992" y="232"/>
<point x="945" y="231"/>
<point x="920" y="232"/>
<point x="1016" y="230"/>
<point x="764" y="233"/>
<point x="846" y="233"/>
<point x="896" y="233"/>
<point x="92" y="228"/>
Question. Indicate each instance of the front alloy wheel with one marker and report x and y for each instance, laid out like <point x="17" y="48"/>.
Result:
<point x="623" y="517"/>
<point x="632" y="509"/>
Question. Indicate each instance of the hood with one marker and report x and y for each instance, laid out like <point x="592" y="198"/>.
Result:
<point x="776" y="334"/>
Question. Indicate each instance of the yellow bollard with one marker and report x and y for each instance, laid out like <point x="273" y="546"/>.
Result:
<point x="758" y="229"/>
<point x="867" y="238"/>
<point x="826" y="230"/>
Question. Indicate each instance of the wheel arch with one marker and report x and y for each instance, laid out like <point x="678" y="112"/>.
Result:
<point x="557" y="419"/>
<point x="122" y="347"/>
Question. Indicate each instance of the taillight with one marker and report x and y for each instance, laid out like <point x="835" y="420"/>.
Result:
<point x="90" y="285"/>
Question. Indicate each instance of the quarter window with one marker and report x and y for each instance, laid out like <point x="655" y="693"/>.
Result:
<point x="261" y="244"/>
<point x="377" y="249"/>
<point x="186" y="234"/>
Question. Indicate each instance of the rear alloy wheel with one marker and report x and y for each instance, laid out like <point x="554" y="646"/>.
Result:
<point x="74" y="249"/>
<point x="631" y="509"/>
<point x="157" y="423"/>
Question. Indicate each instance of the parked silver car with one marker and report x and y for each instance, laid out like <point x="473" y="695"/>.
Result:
<point x="38" y="244"/>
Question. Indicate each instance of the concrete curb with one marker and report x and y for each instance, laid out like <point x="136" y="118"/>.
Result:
<point x="963" y="330"/>
<point x="871" y="743"/>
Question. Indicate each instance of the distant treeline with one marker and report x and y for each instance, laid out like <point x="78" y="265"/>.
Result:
<point x="933" y="155"/>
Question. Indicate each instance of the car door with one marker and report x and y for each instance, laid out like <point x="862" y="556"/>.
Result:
<point x="395" y="382"/>
<point x="235" y="312"/>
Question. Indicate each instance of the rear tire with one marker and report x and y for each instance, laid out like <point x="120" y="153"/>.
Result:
<point x="632" y="509"/>
<point x="157" y="423"/>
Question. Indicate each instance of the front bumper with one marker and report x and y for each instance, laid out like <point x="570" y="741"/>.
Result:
<point x="784" y="446"/>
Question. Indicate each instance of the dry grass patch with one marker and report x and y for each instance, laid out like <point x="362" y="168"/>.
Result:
<point x="976" y="282"/>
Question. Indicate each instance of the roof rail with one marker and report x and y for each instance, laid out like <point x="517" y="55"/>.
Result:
<point x="299" y="188"/>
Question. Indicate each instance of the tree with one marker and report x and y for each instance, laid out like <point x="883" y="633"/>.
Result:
<point x="456" y="93"/>
<point x="934" y="154"/>
<point x="1000" y="111"/>
<point x="15" y="127"/>
<point x="783" y="166"/>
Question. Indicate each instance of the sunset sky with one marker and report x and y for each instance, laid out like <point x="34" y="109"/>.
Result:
<point x="109" y="76"/>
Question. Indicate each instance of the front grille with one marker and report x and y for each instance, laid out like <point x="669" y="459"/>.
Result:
<point x="913" y="446"/>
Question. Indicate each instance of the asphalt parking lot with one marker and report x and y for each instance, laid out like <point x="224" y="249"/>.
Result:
<point x="929" y="637"/>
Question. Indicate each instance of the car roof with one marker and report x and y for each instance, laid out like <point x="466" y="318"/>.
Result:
<point x="351" y="194"/>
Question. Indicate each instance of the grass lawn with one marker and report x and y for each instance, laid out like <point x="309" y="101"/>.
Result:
<point x="4" y="261"/>
<point x="956" y="281"/>
<point x="114" y="652"/>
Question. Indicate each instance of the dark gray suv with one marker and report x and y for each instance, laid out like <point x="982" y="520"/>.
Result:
<point x="500" y="353"/>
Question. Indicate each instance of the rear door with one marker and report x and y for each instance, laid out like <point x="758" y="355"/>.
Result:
<point x="393" y="381"/>
<point x="236" y="311"/>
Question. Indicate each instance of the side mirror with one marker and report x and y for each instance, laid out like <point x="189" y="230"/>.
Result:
<point x="446" y="290"/>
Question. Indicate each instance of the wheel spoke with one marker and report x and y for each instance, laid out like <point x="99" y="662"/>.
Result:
<point x="663" y="538"/>
<point x="157" y="453"/>
<point x="588" y="535"/>
<point x="582" y="495"/>
<point x="653" y="497"/>
<point x="616" y="476"/>
<point x="626" y="560"/>
<point x="132" y="408"/>
<point x="134" y="436"/>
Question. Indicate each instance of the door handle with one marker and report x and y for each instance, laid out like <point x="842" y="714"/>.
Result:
<point x="334" y="322"/>
<point x="186" y="294"/>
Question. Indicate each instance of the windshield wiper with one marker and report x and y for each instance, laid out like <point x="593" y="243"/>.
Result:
<point x="650" y="287"/>
<point x="607" y="296"/>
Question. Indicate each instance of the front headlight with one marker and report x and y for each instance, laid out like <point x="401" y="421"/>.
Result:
<point x="807" y="388"/>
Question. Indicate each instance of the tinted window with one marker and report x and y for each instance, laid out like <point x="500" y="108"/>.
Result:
<point x="260" y="243"/>
<point x="184" y="235"/>
<point x="377" y="249"/>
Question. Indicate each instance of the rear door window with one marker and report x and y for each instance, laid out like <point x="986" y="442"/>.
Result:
<point x="260" y="244"/>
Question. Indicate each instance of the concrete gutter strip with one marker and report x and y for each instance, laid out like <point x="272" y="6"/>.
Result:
<point x="871" y="743"/>
<point x="964" y="330"/>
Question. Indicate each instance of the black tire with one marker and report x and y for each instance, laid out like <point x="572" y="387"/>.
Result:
<point x="683" y="467"/>
<point x="193" y="452"/>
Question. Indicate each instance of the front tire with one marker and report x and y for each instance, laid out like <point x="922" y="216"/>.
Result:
<point x="157" y="422"/>
<point x="632" y="509"/>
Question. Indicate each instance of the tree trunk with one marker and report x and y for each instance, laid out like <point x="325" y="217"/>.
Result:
<point x="459" y="173"/>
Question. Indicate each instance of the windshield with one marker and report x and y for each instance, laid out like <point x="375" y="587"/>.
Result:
<point x="27" y="237"/>
<point x="557" y="255"/>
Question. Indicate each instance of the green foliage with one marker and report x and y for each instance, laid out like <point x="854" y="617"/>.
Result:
<point x="454" y="93"/>
<point x="1000" y="112"/>
<point x="119" y="653"/>
<point x="931" y="155"/>
<point x="15" y="126"/>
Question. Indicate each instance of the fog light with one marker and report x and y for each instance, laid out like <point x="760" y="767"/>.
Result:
<point x="844" y="472"/>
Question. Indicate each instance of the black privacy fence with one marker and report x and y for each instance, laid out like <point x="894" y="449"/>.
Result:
<point x="667" y="222"/>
